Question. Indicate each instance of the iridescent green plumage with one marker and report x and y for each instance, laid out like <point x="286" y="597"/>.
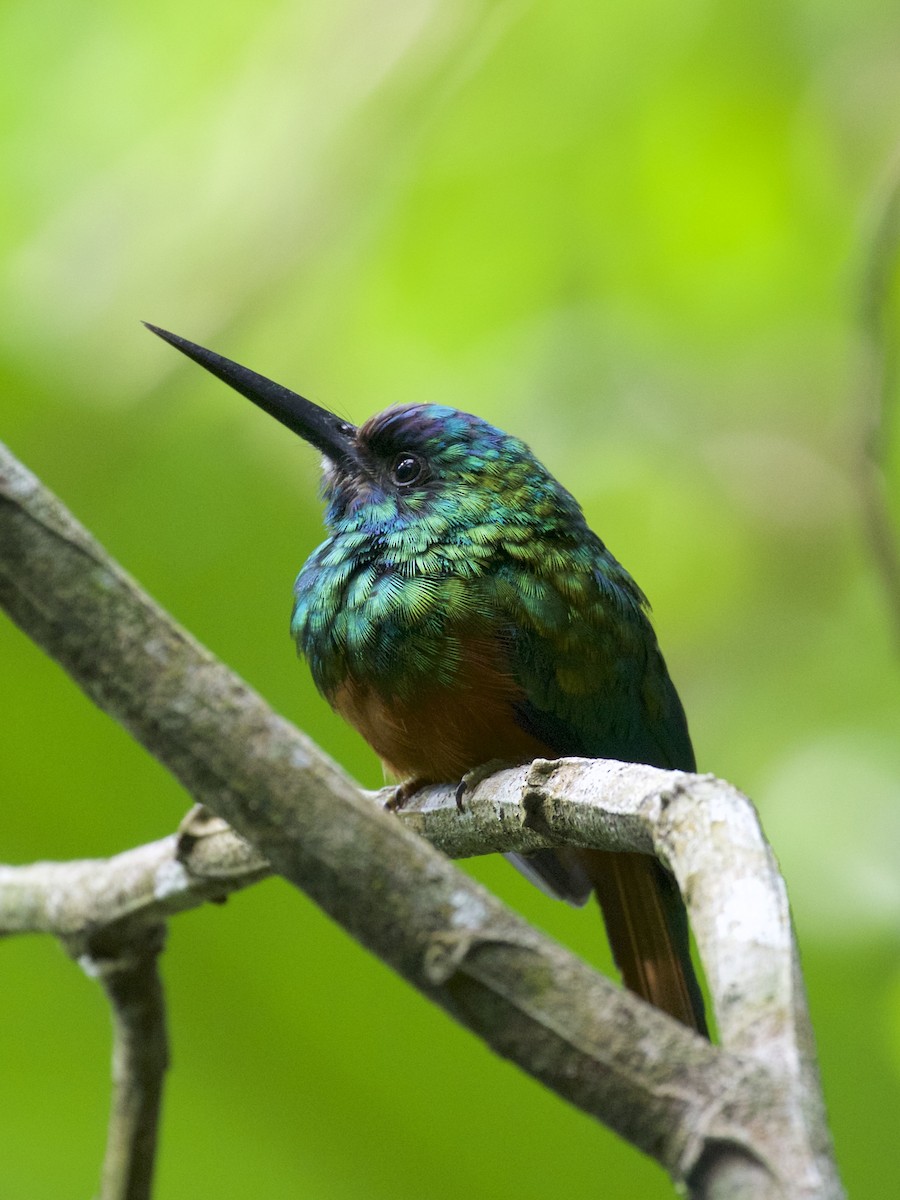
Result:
<point x="460" y="610"/>
<point x="489" y="544"/>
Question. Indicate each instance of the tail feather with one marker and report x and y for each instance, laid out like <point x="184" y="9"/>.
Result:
<point x="645" y="921"/>
<point x="647" y="929"/>
<point x="558" y="873"/>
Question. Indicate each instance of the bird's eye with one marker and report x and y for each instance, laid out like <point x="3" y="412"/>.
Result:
<point x="407" y="469"/>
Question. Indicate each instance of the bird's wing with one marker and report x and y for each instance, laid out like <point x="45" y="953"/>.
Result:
<point x="592" y="681"/>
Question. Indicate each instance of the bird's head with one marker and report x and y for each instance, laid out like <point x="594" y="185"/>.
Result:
<point x="410" y="463"/>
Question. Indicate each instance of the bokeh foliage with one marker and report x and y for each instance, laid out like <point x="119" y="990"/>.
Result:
<point x="632" y="234"/>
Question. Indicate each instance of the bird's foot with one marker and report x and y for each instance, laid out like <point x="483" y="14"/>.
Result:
<point x="471" y="779"/>
<point x="402" y="793"/>
<point x="468" y="783"/>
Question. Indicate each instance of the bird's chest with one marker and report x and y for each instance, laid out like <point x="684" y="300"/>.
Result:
<point x="391" y="624"/>
<point x="437" y="731"/>
<point x="419" y="664"/>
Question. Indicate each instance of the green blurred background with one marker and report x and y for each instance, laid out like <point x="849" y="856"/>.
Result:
<point x="629" y="233"/>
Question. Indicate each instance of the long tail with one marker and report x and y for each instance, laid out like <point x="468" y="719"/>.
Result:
<point x="647" y="928"/>
<point x="645" y="920"/>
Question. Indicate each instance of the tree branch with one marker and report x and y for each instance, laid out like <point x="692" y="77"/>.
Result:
<point x="126" y="967"/>
<point x="205" y="861"/>
<point x="703" y="1112"/>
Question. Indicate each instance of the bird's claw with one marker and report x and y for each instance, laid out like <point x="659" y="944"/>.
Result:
<point x="471" y="779"/>
<point x="459" y="793"/>
<point x="402" y="793"/>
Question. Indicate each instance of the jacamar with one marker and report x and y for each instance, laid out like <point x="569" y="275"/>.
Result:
<point x="460" y="611"/>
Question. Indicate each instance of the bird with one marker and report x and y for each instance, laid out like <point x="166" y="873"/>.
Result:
<point x="461" y="612"/>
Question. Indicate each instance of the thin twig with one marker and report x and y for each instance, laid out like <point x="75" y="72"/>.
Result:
<point x="137" y="887"/>
<point x="127" y="969"/>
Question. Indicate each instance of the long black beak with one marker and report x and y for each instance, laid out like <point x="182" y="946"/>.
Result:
<point x="323" y="429"/>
